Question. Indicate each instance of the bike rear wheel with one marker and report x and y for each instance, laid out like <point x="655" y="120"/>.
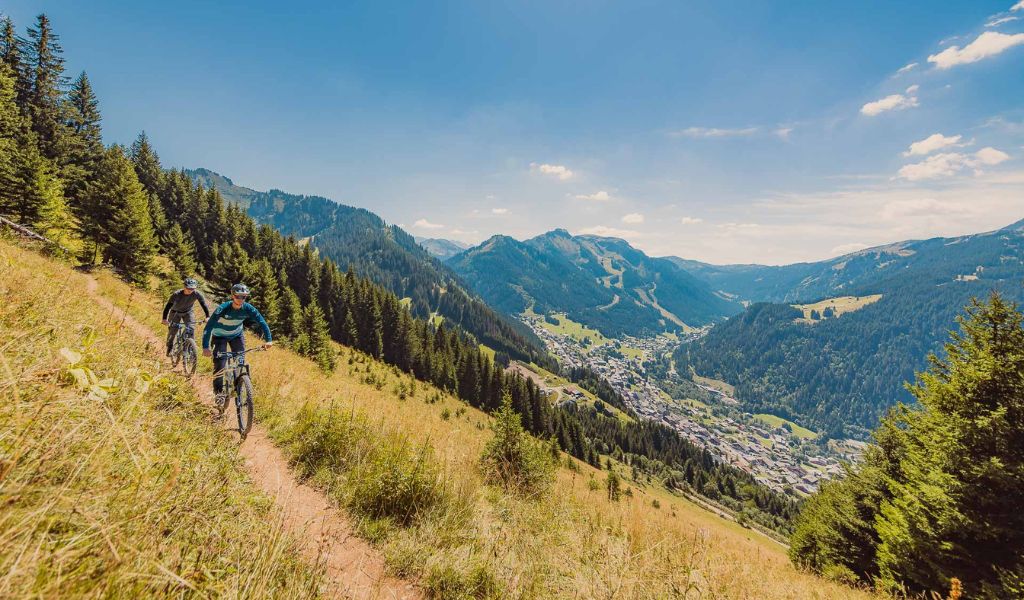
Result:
<point x="189" y="357"/>
<point x="243" y="403"/>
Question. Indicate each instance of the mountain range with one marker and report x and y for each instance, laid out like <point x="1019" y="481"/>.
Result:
<point x="601" y="282"/>
<point x="357" y="238"/>
<point x="839" y="370"/>
<point x="441" y="249"/>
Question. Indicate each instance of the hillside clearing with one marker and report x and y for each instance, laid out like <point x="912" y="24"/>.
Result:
<point x="839" y="306"/>
<point x="774" y="421"/>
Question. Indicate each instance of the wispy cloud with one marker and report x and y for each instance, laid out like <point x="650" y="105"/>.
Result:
<point x="891" y="102"/>
<point x="997" y="21"/>
<point x="605" y="231"/>
<point x="690" y="221"/>
<point x="633" y="218"/>
<point x="947" y="164"/>
<point x="499" y="211"/>
<point x="714" y="132"/>
<point x="425" y="224"/>
<point x="906" y="68"/>
<point x="935" y="141"/>
<point x="783" y="132"/>
<point x="989" y="43"/>
<point x="560" y="172"/>
<point x="1018" y="6"/>
<point x="601" y="196"/>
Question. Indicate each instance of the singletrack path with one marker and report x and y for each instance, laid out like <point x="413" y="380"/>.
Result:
<point x="354" y="568"/>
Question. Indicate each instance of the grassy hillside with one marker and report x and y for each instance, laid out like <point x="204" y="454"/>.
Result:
<point x="115" y="484"/>
<point x="402" y="458"/>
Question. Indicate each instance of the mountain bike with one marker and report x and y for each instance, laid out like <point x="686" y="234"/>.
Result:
<point x="237" y="385"/>
<point x="184" y="348"/>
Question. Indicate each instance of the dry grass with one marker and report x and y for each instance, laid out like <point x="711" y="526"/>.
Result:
<point x="481" y="542"/>
<point x="117" y="486"/>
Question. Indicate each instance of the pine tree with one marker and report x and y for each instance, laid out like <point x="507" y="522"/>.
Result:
<point x="614" y="485"/>
<point x="290" y="314"/>
<point x="11" y="54"/>
<point x="314" y="341"/>
<point x="45" y="68"/>
<point x="126" y="237"/>
<point x="83" y="148"/>
<point x="265" y="293"/>
<point x="30" y="191"/>
<point x="181" y="250"/>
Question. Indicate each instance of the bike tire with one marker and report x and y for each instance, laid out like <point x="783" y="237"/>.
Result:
<point x="243" y="404"/>
<point x="190" y="357"/>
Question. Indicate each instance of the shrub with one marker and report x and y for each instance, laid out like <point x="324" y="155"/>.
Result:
<point x="513" y="458"/>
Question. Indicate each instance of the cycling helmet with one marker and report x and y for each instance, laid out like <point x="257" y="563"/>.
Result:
<point x="191" y="283"/>
<point x="240" y="289"/>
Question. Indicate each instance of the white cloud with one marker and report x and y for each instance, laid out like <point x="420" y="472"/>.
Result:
<point x="783" y="132"/>
<point x="1018" y="6"/>
<point x="601" y="196"/>
<point x="690" y="220"/>
<point x="499" y="211"/>
<point x="847" y="248"/>
<point x="989" y="43"/>
<point x="425" y="224"/>
<point x="560" y="171"/>
<point x="947" y="164"/>
<point x="935" y="141"/>
<point x="604" y="231"/>
<point x="991" y="156"/>
<point x="995" y="22"/>
<point x="633" y="218"/>
<point x="891" y="102"/>
<point x="906" y="68"/>
<point x="714" y="132"/>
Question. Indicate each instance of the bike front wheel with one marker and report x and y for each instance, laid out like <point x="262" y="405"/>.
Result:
<point x="190" y="357"/>
<point x="243" y="403"/>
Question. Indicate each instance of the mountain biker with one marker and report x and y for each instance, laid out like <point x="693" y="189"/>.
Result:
<point x="179" y="309"/>
<point x="227" y="328"/>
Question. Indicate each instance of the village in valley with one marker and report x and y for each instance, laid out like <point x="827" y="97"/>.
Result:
<point x="778" y="453"/>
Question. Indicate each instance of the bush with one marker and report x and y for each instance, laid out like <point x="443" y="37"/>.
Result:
<point x="514" y="459"/>
<point x="374" y="473"/>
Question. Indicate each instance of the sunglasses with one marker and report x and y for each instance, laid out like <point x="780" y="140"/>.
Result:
<point x="239" y="296"/>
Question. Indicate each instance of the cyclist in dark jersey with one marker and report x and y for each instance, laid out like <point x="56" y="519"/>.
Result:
<point x="179" y="309"/>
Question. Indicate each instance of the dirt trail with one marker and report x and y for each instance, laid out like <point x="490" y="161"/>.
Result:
<point x="355" y="569"/>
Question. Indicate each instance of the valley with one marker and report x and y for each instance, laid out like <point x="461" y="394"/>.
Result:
<point x="781" y="455"/>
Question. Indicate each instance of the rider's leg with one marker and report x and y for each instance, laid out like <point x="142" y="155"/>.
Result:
<point x="172" y="318"/>
<point x="219" y="346"/>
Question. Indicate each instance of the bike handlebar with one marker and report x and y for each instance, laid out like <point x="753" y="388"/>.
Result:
<point x="246" y="351"/>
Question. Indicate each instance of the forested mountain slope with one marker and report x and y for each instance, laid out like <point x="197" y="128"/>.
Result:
<point x="841" y="374"/>
<point x="601" y="282"/>
<point x="386" y="254"/>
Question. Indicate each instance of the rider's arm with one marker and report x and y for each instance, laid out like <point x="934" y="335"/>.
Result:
<point x="208" y="330"/>
<point x="167" y="307"/>
<point x="255" y="315"/>
<point x="202" y="303"/>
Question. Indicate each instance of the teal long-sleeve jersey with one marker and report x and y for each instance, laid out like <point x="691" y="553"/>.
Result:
<point x="229" y="322"/>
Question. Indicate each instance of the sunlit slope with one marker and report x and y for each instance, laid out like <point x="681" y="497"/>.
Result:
<point x="477" y="540"/>
<point x="115" y="484"/>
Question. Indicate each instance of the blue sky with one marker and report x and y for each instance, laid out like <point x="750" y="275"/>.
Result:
<point x="730" y="132"/>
